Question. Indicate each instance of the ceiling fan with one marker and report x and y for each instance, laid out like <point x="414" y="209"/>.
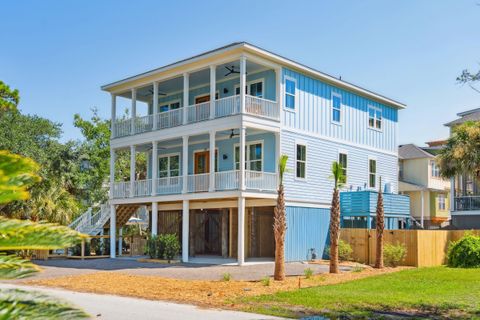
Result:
<point x="231" y="70"/>
<point x="159" y="93"/>
<point x="233" y="134"/>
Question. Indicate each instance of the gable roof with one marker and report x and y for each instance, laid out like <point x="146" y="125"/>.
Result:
<point x="469" y="115"/>
<point x="411" y="151"/>
<point x="277" y="58"/>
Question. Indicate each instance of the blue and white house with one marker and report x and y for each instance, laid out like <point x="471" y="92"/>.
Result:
<point x="212" y="128"/>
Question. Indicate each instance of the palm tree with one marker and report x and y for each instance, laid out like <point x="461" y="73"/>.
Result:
<point x="380" y="225"/>
<point x="280" y="223"/>
<point x="338" y="178"/>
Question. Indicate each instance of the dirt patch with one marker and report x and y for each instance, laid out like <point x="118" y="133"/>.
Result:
<point x="199" y="292"/>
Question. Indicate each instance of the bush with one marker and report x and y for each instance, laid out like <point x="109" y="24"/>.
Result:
<point x="464" y="253"/>
<point x="227" y="276"/>
<point x="344" y="251"/>
<point x="308" y="273"/>
<point x="393" y="254"/>
<point x="266" y="281"/>
<point x="165" y="246"/>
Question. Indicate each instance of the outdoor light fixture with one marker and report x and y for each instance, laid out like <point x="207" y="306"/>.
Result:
<point x="225" y="90"/>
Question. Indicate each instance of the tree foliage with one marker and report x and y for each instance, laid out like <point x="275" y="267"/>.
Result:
<point x="280" y="222"/>
<point x="16" y="175"/>
<point x="9" y="98"/>
<point x="469" y="78"/>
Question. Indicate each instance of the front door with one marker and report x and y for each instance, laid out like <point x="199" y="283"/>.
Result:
<point x="202" y="162"/>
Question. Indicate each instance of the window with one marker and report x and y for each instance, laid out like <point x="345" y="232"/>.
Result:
<point x="253" y="88"/>
<point x="336" y="108"/>
<point x="435" y="169"/>
<point x="301" y="161"/>
<point x="169" y="166"/>
<point x="290" y="93"/>
<point x="441" y="202"/>
<point x="375" y="118"/>
<point x="167" y="106"/>
<point x="400" y="169"/>
<point x="372" y="173"/>
<point x="342" y="160"/>
<point x="253" y="157"/>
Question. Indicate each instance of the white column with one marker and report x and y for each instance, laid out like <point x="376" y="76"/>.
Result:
<point x="134" y="110"/>
<point x="154" y="167"/>
<point x="113" y="224"/>
<point x="120" y="240"/>
<point x="154" y="218"/>
<point x="114" y="114"/>
<point x="185" y="230"/>
<point x="452" y="194"/>
<point x="112" y="171"/>
<point x="185" y="163"/>
<point x="213" y="84"/>
<point x="243" y="81"/>
<point x="242" y="157"/>
<point x="423" y="209"/>
<point x="241" y="231"/>
<point x="211" y="186"/>
<point x="132" y="170"/>
<point x="278" y="87"/>
<point x="186" y="95"/>
<point x="155" y="104"/>
<point x="277" y="150"/>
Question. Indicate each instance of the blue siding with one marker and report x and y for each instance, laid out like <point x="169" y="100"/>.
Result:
<point x="306" y="228"/>
<point x="313" y="114"/>
<point x="365" y="202"/>
<point x="321" y="153"/>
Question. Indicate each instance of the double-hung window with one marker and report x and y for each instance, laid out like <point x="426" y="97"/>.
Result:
<point x="372" y="173"/>
<point x="343" y="161"/>
<point x="435" y="169"/>
<point x="253" y="157"/>
<point x="169" y="166"/>
<point x="375" y="118"/>
<point x="290" y="93"/>
<point x="441" y="202"/>
<point x="301" y="161"/>
<point x="254" y="88"/>
<point x="336" y="108"/>
<point x="163" y="107"/>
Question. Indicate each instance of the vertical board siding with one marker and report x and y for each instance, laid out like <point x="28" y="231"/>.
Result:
<point x="306" y="228"/>
<point x="313" y="114"/>
<point x="318" y="185"/>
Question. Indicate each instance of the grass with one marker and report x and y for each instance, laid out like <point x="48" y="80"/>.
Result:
<point x="422" y="293"/>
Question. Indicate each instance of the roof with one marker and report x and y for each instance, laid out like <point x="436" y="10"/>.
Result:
<point x="278" y="58"/>
<point x="411" y="151"/>
<point x="404" y="186"/>
<point x="469" y="115"/>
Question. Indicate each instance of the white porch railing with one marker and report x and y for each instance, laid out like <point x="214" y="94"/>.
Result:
<point x="262" y="107"/>
<point x="198" y="182"/>
<point x="227" y="106"/>
<point x="122" y="128"/>
<point x="169" y="185"/>
<point x="142" y="188"/>
<point x="144" y="124"/>
<point x="168" y="119"/>
<point x="259" y="180"/>
<point x="198" y="112"/>
<point x="227" y="180"/>
<point x="121" y="189"/>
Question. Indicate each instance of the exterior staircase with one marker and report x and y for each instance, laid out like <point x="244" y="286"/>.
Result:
<point x="92" y="222"/>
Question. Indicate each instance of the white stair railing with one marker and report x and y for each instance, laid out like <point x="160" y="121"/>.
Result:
<point x="92" y="223"/>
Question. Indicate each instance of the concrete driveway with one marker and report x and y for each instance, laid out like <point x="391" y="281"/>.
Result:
<point x="123" y="308"/>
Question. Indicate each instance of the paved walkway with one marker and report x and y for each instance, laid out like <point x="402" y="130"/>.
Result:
<point x="66" y="267"/>
<point x="123" y="308"/>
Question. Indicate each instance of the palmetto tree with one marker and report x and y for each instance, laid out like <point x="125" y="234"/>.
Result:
<point x="280" y="223"/>
<point x="380" y="225"/>
<point x="338" y="178"/>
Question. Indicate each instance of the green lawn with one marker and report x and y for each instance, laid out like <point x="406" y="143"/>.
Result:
<point x="426" y="292"/>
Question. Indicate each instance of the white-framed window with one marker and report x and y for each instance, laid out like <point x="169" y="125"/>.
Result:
<point x="336" y="108"/>
<point x="435" y="169"/>
<point x="343" y="161"/>
<point x="290" y="93"/>
<point x="169" y="165"/>
<point x="253" y="156"/>
<point x="441" y="201"/>
<point x="301" y="161"/>
<point x="372" y="173"/>
<point x="167" y="106"/>
<point x="374" y="118"/>
<point x="253" y="88"/>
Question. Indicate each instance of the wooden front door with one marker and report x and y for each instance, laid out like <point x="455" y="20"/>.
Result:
<point x="202" y="99"/>
<point x="202" y="162"/>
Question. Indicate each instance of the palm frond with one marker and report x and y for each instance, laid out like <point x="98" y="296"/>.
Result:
<point x="14" y="267"/>
<point x="22" y="234"/>
<point x="337" y="175"/>
<point x="282" y="166"/>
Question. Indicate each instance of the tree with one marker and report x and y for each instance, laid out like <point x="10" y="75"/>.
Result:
<point x="380" y="225"/>
<point x="9" y="98"/>
<point x="280" y="223"/>
<point x="338" y="177"/>
<point x="469" y="78"/>
<point x="461" y="154"/>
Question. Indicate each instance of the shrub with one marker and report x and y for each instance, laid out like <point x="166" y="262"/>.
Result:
<point x="393" y="254"/>
<point x="170" y="245"/>
<point x="308" y="273"/>
<point x="266" y="281"/>
<point x="152" y="247"/>
<point x="344" y="251"/>
<point x="227" y="276"/>
<point x="357" y="268"/>
<point x="464" y="253"/>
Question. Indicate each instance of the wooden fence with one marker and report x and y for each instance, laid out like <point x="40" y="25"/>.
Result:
<point x="425" y="248"/>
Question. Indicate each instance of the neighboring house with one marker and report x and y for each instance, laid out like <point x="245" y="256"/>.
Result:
<point x="420" y="179"/>
<point x="465" y="188"/>
<point x="213" y="128"/>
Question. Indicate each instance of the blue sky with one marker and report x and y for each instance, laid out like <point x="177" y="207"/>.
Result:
<point x="59" y="53"/>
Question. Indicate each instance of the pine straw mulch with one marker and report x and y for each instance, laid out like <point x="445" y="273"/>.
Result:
<point x="199" y="292"/>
